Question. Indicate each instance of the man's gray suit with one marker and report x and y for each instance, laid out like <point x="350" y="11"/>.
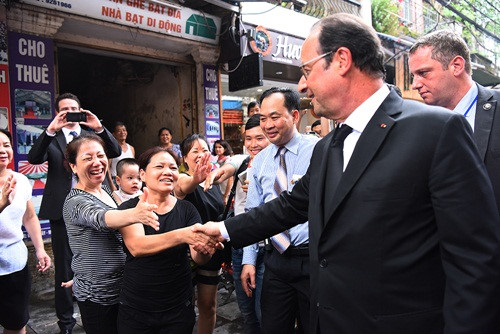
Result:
<point x="410" y="242"/>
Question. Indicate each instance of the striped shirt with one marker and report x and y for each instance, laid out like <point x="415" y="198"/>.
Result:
<point x="98" y="256"/>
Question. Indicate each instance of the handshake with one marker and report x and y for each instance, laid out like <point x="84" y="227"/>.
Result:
<point x="207" y="238"/>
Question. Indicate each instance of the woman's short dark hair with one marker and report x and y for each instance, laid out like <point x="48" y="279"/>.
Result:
<point x="188" y="142"/>
<point x="252" y="122"/>
<point x="145" y="158"/>
<point x="7" y="133"/>
<point x="73" y="147"/>
<point x="162" y="129"/>
<point x="227" y="148"/>
<point x="346" y="30"/>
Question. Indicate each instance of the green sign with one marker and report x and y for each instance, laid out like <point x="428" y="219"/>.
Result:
<point x="201" y="26"/>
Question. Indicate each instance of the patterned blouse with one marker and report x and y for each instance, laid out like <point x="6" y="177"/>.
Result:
<point x="98" y="257"/>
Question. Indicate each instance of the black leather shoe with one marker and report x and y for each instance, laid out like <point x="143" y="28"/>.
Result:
<point x="66" y="331"/>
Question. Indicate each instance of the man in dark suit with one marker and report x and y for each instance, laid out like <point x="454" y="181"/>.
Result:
<point x="409" y="240"/>
<point x="51" y="146"/>
<point x="441" y="67"/>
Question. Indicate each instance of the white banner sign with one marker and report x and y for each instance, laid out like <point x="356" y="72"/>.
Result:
<point x="143" y="14"/>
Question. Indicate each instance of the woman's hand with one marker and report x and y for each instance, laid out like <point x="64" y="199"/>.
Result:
<point x="67" y="285"/>
<point x="144" y="212"/>
<point x="44" y="261"/>
<point x="202" y="168"/>
<point x="8" y="192"/>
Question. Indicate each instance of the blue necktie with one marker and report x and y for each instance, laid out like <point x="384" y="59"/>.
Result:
<point x="74" y="134"/>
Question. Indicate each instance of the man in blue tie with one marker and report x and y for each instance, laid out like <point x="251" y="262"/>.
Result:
<point x="285" y="288"/>
<point x="51" y="146"/>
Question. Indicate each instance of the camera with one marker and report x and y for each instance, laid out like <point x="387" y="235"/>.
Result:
<point x="76" y="117"/>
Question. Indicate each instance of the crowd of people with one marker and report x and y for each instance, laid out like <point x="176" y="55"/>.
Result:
<point x="388" y="224"/>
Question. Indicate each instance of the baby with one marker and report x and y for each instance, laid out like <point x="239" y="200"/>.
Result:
<point x="128" y="180"/>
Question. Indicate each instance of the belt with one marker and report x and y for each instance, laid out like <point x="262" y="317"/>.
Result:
<point x="300" y="250"/>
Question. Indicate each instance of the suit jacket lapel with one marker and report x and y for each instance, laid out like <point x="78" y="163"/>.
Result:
<point x="61" y="141"/>
<point x="367" y="146"/>
<point x="485" y="109"/>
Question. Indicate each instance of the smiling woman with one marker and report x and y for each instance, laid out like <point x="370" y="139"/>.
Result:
<point x="209" y="204"/>
<point x="16" y="209"/>
<point x="156" y="296"/>
<point x="92" y="224"/>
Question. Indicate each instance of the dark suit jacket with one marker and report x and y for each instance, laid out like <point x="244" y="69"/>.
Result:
<point x="410" y="240"/>
<point x="58" y="185"/>
<point x="487" y="134"/>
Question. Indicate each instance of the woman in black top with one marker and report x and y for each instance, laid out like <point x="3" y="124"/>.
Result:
<point x="210" y="206"/>
<point x="92" y="224"/>
<point x="157" y="292"/>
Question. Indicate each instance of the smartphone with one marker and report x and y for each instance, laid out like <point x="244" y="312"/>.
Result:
<point x="76" y="117"/>
<point x="242" y="177"/>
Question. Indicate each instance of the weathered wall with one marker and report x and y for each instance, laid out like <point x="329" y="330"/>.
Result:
<point x="159" y="103"/>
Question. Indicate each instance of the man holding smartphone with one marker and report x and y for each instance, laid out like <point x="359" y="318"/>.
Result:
<point x="51" y="146"/>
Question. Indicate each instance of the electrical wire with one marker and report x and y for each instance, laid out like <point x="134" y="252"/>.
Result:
<point x="244" y="51"/>
<point x="266" y="11"/>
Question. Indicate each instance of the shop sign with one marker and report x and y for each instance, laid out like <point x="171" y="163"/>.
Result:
<point x="143" y="14"/>
<point x="211" y="103"/>
<point x="277" y="47"/>
<point x="32" y="82"/>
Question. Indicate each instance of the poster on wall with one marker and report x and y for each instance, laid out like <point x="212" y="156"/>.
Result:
<point x="211" y="103"/>
<point x="4" y="79"/>
<point x="31" y="89"/>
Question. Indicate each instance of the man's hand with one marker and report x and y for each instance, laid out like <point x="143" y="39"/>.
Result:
<point x="248" y="279"/>
<point x="211" y="229"/>
<point x="201" y="242"/>
<point x="92" y="121"/>
<point x="245" y="186"/>
<point x="58" y="123"/>
<point x="144" y="211"/>
<point x="212" y="178"/>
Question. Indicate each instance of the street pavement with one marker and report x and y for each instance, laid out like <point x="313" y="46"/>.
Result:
<point x="43" y="319"/>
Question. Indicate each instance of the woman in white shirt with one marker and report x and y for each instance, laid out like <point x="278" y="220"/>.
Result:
<point x="16" y="209"/>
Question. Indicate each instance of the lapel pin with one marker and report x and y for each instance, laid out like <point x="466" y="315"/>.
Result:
<point x="383" y="125"/>
<point x="487" y="106"/>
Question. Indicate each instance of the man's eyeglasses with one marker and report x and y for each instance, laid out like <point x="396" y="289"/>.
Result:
<point x="305" y="72"/>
